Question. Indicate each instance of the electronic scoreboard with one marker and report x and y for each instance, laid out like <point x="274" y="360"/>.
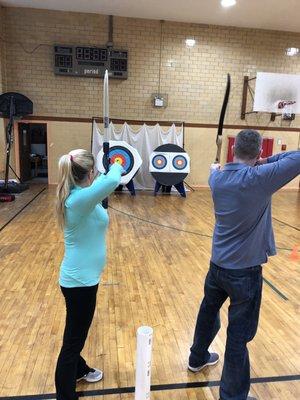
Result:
<point x="90" y="61"/>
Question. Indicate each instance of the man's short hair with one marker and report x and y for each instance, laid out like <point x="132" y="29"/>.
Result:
<point x="247" y="144"/>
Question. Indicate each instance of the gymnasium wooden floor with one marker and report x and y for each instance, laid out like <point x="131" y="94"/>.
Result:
<point x="154" y="277"/>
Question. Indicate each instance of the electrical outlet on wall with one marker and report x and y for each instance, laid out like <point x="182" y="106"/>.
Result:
<point x="159" y="100"/>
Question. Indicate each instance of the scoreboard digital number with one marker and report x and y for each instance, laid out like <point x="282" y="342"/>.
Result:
<point x="91" y="54"/>
<point x="90" y="61"/>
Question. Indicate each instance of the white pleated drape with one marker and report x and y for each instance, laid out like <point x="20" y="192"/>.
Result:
<point x="145" y="140"/>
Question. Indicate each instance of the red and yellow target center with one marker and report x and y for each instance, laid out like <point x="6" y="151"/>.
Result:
<point x="118" y="159"/>
<point x="159" y="162"/>
<point x="179" y="162"/>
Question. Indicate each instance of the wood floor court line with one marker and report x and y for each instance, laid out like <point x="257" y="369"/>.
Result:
<point x="284" y="223"/>
<point x="154" y="388"/>
<point x="160" y="275"/>
<point x="22" y="209"/>
<point x="191" y="232"/>
<point x="270" y="284"/>
<point x="274" y="288"/>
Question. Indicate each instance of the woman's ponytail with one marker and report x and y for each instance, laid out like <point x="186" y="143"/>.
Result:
<point x="73" y="169"/>
<point x="65" y="184"/>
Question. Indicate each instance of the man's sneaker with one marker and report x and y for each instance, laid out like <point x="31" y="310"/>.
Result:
<point x="213" y="359"/>
<point x="94" y="375"/>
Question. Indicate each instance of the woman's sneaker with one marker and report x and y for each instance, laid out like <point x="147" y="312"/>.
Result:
<point x="94" y="375"/>
<point x="213" y="359"/>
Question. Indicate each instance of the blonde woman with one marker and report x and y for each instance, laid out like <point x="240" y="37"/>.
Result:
<point x="84" y="223"/>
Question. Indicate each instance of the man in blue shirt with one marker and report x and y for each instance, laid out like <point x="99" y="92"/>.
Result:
<point x="243" y="239"/>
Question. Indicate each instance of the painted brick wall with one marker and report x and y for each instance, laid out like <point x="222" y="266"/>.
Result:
<point x="194" y="78"/>
<point x="2" y="89"/>
<point x="2" y="50"/>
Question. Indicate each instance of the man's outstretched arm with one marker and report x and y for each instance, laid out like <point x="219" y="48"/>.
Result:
<point x="278" y="170"/>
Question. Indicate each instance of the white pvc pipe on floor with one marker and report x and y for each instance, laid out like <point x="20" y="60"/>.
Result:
<point x="143" y="363"/>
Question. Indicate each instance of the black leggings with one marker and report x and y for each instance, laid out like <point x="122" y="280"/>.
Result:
<point x="80" y="304"/>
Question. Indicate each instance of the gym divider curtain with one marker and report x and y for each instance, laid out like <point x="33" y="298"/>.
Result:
<point x="145" y="140"/>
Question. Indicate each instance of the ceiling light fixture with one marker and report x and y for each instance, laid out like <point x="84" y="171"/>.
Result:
<point x="228" y="3"/>
<point x="292" y="51"/>
<point x="190" y="42"/>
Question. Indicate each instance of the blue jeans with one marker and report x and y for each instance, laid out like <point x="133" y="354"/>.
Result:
<point x="244" y="288"/>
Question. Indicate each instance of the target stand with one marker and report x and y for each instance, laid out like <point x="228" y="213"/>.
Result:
<point x="167" y="189"/>
<point x="130" y="187"/>
<point x="169" y="166"/>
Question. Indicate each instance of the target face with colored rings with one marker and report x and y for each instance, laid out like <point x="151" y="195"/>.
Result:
<point x="179" y="162"/>
<point x="169" y="164"/>
<point x="159" y="161"/>
<point x="124" y="154"/>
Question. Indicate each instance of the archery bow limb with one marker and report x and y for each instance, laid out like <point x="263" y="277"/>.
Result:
<point x="106" y="128"/>
<point x="221" y="120"/>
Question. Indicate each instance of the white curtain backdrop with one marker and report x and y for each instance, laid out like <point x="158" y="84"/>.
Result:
<point x="145" y="140"/>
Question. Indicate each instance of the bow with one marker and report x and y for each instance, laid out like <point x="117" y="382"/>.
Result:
<point x="106" y="128"/>
<point x="221" y="120"/>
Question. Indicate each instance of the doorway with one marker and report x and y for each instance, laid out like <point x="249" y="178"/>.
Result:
<point x="33" y="152"/>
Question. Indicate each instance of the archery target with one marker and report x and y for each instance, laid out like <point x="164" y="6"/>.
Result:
<point x="158" y="162"/>
<point x="169" y="164"/>
<point x="124" y="154"/>
<point x="179" y="163"/>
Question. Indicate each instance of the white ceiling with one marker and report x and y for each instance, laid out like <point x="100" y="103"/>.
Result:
<point x="266" y="14"/>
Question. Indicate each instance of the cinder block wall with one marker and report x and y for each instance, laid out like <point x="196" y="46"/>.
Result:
<point x="194" y="79"/>
<point x="2" y="89"/>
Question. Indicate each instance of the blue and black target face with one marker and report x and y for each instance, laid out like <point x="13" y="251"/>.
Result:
<point x="123" y="156"/>
<point x="159" y="161"/>
<point x="179" y="162"/>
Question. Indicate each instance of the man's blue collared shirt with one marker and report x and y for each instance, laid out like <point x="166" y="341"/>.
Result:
<point x="243" y="235"/>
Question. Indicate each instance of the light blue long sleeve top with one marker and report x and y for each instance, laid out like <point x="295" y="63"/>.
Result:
<point x="85" y="229"/>
<point x="243" y="235"/>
